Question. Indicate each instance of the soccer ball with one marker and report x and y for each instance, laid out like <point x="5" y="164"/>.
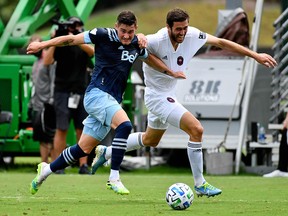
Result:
<point x="179" y="196"/>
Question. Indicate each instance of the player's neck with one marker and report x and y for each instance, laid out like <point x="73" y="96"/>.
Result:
<point x="174" y="44"/>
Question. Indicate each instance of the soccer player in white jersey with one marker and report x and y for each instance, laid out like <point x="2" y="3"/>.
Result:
<point x="175" y="45"/>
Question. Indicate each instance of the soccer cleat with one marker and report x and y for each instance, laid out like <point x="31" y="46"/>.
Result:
<point x="117" y="187"/>
<point x="276" y="173"/>
<point x="207" y="190"/>
<point x="99" y="159"/>
<point x="38" y="180"/>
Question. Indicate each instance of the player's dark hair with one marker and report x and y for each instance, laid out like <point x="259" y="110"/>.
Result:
<point x="127" y="17"/>
<point x="176" y="15"/>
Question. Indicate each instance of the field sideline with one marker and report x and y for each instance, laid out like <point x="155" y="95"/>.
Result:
<point x="74" y="194"/>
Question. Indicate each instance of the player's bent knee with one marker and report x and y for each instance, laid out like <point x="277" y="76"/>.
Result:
<point x="196" y="131"/>
<point x="200" y="130"/>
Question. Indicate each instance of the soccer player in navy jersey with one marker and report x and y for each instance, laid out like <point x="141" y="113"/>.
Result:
<point x="116" y="49"/>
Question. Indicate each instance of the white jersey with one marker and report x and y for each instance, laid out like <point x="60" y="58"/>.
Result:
<point x="160" y="45"/>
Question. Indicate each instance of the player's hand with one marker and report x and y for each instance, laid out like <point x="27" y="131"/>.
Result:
<point x="266" y="60"/>
<point x="179" y="75"/>
<point x="142" y="40"/>
<point x="33" y="47"/>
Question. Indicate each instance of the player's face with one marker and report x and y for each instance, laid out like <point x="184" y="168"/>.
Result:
<point x="126" y="33"/>
<point x="178" y="31"/>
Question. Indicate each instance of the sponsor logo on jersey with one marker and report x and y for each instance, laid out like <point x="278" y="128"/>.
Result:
<point x="202" y="35"/>
<point x="180" y="60"/>
<point x="128" y="57"/>
<point x="171" y="100"/>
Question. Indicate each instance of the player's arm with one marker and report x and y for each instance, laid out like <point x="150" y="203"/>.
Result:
<point x="67" y="40"/>
<point x="161" y="67"/>
<point x="88" y="49"/>
<point x="261" y="58"/>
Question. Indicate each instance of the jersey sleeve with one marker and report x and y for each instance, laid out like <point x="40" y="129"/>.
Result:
<point x="94" y="36"/>
<point x="199" y="38"/>
<point x="153" y="43"/>
<point x="87" y="39"/>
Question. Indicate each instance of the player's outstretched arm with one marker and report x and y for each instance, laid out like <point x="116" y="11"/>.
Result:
<point x="161" y="67"/>
<point x="262" y="58"/>
<point x="67" y="40"/>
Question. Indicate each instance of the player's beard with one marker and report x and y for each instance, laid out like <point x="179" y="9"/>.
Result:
<point x="176" y="38"/>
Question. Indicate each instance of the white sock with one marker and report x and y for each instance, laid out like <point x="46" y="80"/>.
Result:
<point x="47" y="171"/>
<point x="114" y="175"/>
<point x="195" y="155"/>
<point x="134" y="142"/>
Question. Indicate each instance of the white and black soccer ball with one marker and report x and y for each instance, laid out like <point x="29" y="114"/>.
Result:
<point x="179" y="196"/>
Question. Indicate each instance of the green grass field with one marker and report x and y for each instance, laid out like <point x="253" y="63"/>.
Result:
<point x="74" y="194"/>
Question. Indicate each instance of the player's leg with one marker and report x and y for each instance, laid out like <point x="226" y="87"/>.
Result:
<point x="122" y="125"/>
<point x="151" y="137"/>
<point x="69" y="156"/>
<point x="194" y="129"/>
<point x="93" y="133"/>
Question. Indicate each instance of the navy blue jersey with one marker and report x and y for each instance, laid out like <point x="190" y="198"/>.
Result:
<point x="113" y="61"/>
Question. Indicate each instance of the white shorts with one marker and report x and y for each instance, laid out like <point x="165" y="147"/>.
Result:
<point x="163" y="110"/>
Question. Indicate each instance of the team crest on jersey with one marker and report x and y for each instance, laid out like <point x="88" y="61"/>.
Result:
<point x="171" y="100"/>
<point x="202" y="35"/>
<point x="180" y="60"/>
